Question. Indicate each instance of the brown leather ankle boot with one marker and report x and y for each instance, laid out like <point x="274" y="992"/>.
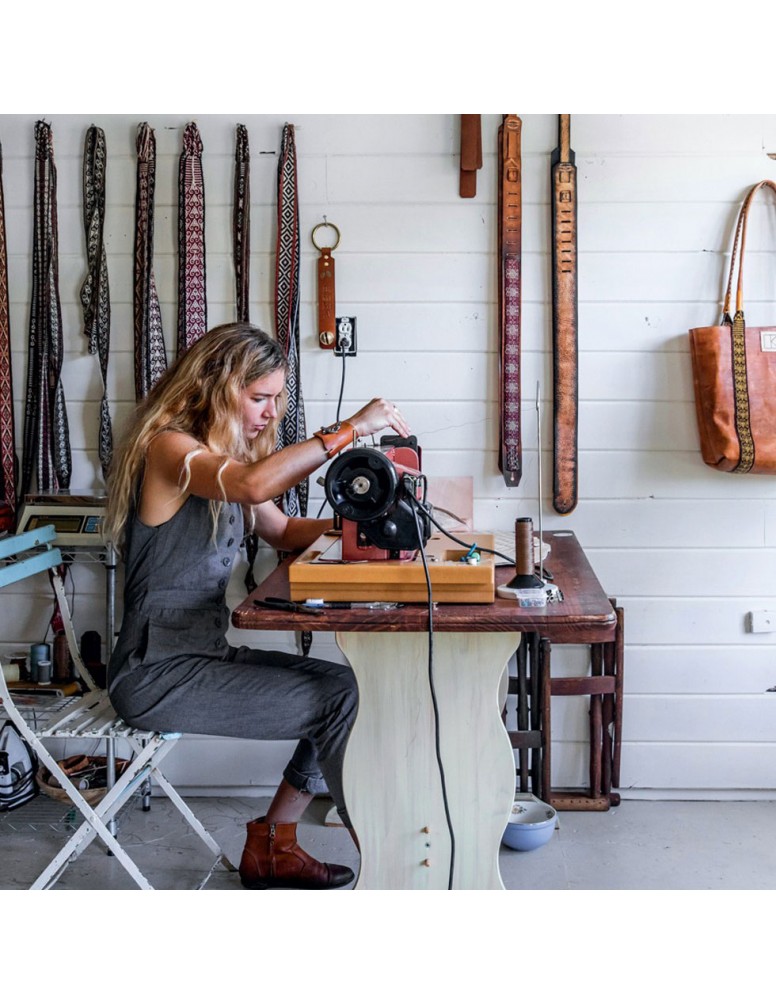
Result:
<point x="272" y="859"/>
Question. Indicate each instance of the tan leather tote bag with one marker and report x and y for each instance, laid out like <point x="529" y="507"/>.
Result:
<point x="734" y="375"/>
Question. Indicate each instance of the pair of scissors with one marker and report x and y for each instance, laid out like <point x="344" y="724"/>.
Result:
<point x="278" y="603"/>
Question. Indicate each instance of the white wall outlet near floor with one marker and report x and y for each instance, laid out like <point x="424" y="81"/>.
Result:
<point x="761" y="621"/>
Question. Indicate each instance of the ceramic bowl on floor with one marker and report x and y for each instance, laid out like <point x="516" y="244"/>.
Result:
<point x="531" y="824"/>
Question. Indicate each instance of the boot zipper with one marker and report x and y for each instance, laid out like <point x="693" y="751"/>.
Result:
<point x="272" y="849"/>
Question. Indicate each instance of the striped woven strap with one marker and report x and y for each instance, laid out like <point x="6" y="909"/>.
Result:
<point x="150" y="352"/>
<point x="95" y="291"/>
<point x="8" y="464"/>
<point x="741" y="395"/>
<point x="510" y="225"/>
<point x="192" y="298"/>
<point x="46" y="435"/>
<point x="241" y="223"/>
<point x="292" y="428"/>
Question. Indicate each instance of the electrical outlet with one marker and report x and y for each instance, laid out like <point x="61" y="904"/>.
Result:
<point x="346" y="336"/>
<point x="761" y="621"/>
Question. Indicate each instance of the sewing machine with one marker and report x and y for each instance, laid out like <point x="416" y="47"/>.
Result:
<point x="380" y="497"/>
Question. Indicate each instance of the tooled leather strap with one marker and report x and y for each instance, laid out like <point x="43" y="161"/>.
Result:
<point x="192" y="298"/>
<point x="8" y="463"/>
<point x="738" y="336"/>
<point x="471" y="155"/>
<point x="510" y="221"/>
<point x="150" y="352"/>
<point x="95" y="294"/>
<point x="241" y="235"/>
<point x="46" y="434"/>
<point x="564" y="322"/>
<point x="292" y="429"/>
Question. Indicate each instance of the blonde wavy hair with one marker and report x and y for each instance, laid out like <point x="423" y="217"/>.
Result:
<point x="201" y="395"/>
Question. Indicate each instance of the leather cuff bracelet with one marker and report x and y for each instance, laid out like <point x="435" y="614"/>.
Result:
<point x="336" y="437"/>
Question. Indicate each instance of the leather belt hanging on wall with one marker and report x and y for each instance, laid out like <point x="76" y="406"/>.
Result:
<point x="46" y="435"/>
<point x="471" y="155"/>
<point x="95" y="292"/>
<point x="292" y="428"/>
<point x="241" y="230"/>
<point x="8" y="465"/>
<point x="564" y="321"/>
<point x="192" y="298"/>
<point x="150" y="352"/>
<point x="509" y="247"/>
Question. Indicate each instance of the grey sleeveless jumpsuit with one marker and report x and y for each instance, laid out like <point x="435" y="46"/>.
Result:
<point x="173" y="670"/>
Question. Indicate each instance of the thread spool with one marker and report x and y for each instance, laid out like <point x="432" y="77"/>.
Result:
<point x="61" y="657"/>
<point x="526" y="587"/>
<point x="38" y="653"/>
<point x="524" y="547"/>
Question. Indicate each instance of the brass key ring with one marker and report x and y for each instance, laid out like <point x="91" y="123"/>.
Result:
<point x="318" y="226"/>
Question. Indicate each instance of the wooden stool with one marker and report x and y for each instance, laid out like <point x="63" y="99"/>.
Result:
<point x="534" y="687"/>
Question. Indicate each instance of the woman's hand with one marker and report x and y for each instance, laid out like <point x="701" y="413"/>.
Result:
<point x="379" y="414"/>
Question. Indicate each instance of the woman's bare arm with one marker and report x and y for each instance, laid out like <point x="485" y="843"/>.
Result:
<point x="212" y="476"/>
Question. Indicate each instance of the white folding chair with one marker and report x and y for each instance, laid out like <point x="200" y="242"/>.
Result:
<point x="88" y="717"/>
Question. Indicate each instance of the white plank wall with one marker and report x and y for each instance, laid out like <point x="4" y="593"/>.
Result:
<point x="685" y="550"/>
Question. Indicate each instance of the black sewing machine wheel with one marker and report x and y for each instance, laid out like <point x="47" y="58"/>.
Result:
<point x="361" y="484"/>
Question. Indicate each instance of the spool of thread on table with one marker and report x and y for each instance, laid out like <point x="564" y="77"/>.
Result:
<point x="525" y="580"/>
<point x="524" y="548"/>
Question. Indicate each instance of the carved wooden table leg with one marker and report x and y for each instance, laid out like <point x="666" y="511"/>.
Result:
<point x="391" y="776"/>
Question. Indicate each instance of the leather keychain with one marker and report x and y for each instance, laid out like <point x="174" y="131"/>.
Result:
<point x="327" y="308"/>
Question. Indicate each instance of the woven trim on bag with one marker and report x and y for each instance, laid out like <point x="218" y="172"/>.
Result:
<point x="741" y="394"/>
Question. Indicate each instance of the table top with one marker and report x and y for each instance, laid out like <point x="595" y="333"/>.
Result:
<point x="584" y="615"/>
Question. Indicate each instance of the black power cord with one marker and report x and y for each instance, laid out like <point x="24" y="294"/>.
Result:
<point x="463" y="543"/>
<point x="339" y="407"/>
<point x="416" y="505"/>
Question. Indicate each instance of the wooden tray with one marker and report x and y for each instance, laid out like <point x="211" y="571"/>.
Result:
<point x="319" y="573"/>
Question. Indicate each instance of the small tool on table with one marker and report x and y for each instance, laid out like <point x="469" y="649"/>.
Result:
<point x="278" y="603"/>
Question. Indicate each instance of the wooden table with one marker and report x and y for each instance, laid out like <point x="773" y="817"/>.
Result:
<point x="392" y="780"/>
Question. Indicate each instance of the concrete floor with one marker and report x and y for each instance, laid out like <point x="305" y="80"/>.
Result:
<point x="640" y="845"/>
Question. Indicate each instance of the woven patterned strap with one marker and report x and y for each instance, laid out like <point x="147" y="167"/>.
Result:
<point x="150" y="352"/>
<point x="95" y="291"/>
<point x="292" y="428"/>
<point x="8" y="463"/>
<point x="192" y="299"/>
<point x="510" y="226"/>
<point x="241" y="221"/>
<point x="46" y="434"/>
<point x="741" y="395"/>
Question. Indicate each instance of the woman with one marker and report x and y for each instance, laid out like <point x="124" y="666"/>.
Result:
<point x="198" y="454"/>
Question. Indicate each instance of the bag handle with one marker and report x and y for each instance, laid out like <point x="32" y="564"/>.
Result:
<point x="739" y="244"/>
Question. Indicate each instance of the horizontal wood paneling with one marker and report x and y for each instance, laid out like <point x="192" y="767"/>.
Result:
<point x="687" y="551"/>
